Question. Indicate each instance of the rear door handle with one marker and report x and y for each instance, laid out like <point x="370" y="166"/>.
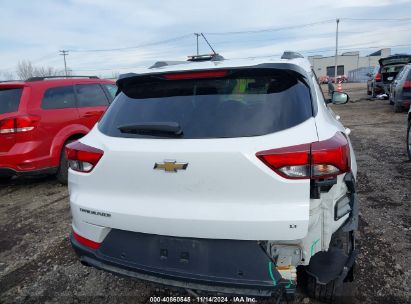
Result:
<point x="92" y="113"/>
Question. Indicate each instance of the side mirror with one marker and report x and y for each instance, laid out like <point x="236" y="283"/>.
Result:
<point x="369" y="74"/>
<point x="339" y="98"/>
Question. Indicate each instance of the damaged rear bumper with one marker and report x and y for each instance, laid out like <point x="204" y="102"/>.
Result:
<point x="217" y="266"/>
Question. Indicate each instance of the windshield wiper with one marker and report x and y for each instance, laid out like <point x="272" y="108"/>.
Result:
<point x="153" y="128"/>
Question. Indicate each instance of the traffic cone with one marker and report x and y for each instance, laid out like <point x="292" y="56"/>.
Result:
<point x="339" y="88"/>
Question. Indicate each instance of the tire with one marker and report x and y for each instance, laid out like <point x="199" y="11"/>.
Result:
<point x="397" y="108"/>
<point x="5" y="179"/>
<point x="335" y="291"/>
<point x="368" y="90"/>
<point x="409" y="140"/>
<point x="62" y="172"/>
<point x="373" y="95"/>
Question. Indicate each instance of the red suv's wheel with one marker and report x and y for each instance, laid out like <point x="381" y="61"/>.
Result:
<point x="62" y="172"/>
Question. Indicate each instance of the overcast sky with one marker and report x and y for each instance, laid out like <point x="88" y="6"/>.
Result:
<point x="36" y="30"/>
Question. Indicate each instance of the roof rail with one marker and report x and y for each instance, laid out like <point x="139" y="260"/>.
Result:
<point x="291" y="55"/>
<point x="159" y="64"/>
<point x="206" y="57"/>
<point x="52" y="77"/>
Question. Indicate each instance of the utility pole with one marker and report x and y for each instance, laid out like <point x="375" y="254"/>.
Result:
<point x="197" y="35"/>
<point x="64" y="53"/>
<point x="336" y="51"/>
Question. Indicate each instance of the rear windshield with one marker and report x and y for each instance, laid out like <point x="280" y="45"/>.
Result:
<point x="9" y="100"/>
<point x="244" y="103"/>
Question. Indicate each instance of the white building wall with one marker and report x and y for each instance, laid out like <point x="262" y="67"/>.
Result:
<point x="350" y="61"/>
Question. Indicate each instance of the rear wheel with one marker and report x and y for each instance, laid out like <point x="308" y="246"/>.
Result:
<point x="337" y="290"/>
<point x="409" y="139"/>
<point x="368" y="90"/>
<point x="62" y="172"/>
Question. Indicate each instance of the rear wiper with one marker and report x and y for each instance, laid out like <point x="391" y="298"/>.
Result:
<point x="153" y="128"/>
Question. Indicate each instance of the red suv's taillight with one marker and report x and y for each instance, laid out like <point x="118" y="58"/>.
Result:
<point x="323" y="159"/>
<point x="407" y="84"/>
<point x="18" y="124"/>
<point x="82" y="158"/>
<point x="377" y="77"/>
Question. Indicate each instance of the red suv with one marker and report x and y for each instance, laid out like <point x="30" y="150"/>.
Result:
<point x="39" y="116"/>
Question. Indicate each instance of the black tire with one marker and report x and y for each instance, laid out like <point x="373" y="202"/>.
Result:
<point x="397" y="108"/>
<point x="335" y="291"/>
<point x="409" y="139"/>
<point x="368" y="90"/>
<point x="62" y="172"/>
<point x="5" y="179"/>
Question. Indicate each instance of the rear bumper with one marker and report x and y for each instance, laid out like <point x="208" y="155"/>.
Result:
<point x="26" y="157"/>
<point x="12" y="172"/>
<point x="216" y="266"/>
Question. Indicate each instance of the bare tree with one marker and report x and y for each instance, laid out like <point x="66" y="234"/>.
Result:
<point x="6" y="75"/>
<point x="25" y="70"/>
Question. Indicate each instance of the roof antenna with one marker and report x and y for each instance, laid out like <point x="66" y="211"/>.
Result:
<point x="206" y="57"/>
<point x="208" y="43"/>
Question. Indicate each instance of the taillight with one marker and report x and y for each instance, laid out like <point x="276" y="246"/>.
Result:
<point x="18" y="124"/>
<point x="377" y="77"/>
<point x="330" y="157"/>
<point x="194" y="75"/>
<point x="323" y="159"/>
<point x="407" y="84"/>
<point x="82" y="158"/>
<point x="86" y="242"/>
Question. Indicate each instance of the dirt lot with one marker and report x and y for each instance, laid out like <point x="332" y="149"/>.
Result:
<point x="38" y="265"/>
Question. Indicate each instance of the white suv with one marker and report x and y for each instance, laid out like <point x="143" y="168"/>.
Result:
<point x="223" y="176"/>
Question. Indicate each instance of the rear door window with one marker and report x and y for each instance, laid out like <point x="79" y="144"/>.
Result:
<point x="244" y="103"/>
<point x="59" y="98"/>
<point x="91" y="95"/>
<point x="111" y="89"/>
<point x="9" y="100"/>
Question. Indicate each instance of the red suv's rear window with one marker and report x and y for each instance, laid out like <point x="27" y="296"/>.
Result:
<point x="9" y="100"/>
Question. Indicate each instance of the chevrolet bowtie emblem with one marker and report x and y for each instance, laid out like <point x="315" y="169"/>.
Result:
<point x="170" y="166"/>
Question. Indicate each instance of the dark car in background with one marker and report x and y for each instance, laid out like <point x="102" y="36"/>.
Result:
<point x="390" y="67"/>
<point x="374" y="83"/>
<point x="384" y="74"/>
<point x="400" y="89"/>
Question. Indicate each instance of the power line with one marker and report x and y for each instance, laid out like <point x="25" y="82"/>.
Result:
<point x="347" y="47"/>
<point x="153" y="43"/>
<point x="271" y="29"/>
<point x="136" y="46"/>
<point x="190" y="35"/>
<point x="377" y="19"/>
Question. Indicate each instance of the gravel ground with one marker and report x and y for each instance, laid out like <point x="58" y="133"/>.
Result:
<point x="38" y="265"/>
